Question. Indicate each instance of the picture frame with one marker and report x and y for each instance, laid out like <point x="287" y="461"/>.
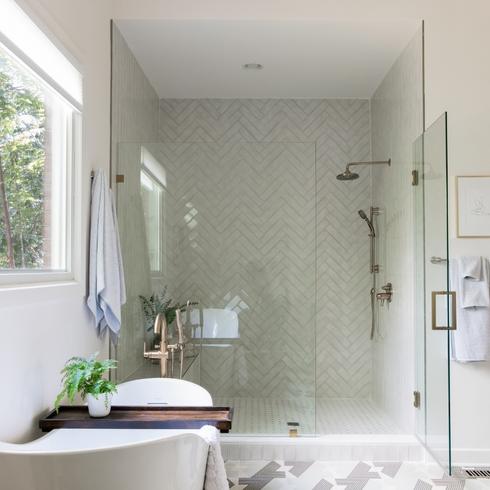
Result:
<point x="473" y="206"/>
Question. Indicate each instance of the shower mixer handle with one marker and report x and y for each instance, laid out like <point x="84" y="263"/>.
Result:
<point x="386" y="294"/>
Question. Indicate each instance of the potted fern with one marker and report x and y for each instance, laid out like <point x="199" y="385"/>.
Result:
<point x="160" y="303"/>
<point x="86" y="377"/>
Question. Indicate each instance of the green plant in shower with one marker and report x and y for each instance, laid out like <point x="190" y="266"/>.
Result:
<point x="155" y="304"/>
<point x="85" y="376"/>
<point x="160" y="303"/>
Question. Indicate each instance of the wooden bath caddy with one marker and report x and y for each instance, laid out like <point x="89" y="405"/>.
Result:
<point x="144" y="417"/>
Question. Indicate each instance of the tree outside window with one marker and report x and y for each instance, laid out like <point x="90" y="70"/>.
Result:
<point x="34" y="154"/>
<point x="22" y="164"/>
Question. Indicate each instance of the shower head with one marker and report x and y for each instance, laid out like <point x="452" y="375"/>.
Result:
<point x="347" y="175"/>
<point x="362" y="214"/>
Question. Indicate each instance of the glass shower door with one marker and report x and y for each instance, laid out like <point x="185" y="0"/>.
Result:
<point x="433" y="298"/>
<point x="231" y="226"/>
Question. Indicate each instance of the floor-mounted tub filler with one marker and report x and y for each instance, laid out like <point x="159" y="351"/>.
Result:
<point x="123" y="459"/>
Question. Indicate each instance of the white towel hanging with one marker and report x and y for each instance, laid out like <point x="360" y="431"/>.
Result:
<point x="107" y="290"/>
<point x="474" y="282"/>
<point x="471" y="341"/>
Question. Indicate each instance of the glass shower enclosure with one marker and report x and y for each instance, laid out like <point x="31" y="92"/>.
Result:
<point x="434" y="300"/>
<point x="232" y="227"/>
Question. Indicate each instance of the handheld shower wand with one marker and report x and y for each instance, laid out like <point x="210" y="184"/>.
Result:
<point x="374" y="268"/>
<point x="362" y="214"/>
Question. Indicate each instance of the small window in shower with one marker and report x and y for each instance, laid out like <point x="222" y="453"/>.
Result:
<point x="153" y="200"/>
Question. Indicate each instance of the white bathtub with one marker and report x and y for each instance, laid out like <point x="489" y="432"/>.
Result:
<point x="162" y="391"/>
<point x="113" y="459"/>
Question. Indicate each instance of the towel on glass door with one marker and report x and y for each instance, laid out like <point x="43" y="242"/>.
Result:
<point x="474" y="283"/>
<point x="470" y="342"/>
<point x="107" y="290"/>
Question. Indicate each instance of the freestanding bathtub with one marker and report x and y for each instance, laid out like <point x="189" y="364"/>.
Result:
<point x="114" y="459"/>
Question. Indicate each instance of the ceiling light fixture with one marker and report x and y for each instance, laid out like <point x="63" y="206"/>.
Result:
<point x="252" y="66"/>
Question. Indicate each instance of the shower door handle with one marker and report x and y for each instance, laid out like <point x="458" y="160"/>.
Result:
<point x="444" y="310"/>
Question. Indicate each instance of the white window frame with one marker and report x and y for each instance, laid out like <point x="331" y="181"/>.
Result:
<point x="69" y="217"/>
<point x="152" y="168"/>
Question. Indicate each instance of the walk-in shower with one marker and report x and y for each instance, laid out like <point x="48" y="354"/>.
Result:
<point x="244" y="215"/>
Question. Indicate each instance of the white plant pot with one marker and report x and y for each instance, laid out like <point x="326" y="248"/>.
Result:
<point x="99" y="406"/>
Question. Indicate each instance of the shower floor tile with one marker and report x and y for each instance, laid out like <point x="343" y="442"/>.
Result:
<point x="333" y="416"/>
<point x="352" y="416"/>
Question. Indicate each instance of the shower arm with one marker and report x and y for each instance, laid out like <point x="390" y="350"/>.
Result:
<point x="378" y="162"/>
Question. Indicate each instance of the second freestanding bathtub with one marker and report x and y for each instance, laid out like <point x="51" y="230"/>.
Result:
<point x="107" y="459"/>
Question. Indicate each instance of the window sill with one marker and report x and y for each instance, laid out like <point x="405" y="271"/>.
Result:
<point x="30" y="294"/>
<point x="28" y="280"/>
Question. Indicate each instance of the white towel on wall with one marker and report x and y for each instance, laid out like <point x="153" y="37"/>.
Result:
<point x="470" y="342"/>
<point x="474" y="284"/>
<point x="215" y="469"/>
<point x="107" y="290"/>
<point x="471" y="266"/>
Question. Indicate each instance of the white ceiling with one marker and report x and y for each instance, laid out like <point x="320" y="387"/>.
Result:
<point x="313" y="59"/>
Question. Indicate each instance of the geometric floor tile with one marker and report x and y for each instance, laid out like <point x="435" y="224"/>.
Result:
<point x="263" y="477"/>
<point x="359" y="477"/>
<point x="344" y="475"/>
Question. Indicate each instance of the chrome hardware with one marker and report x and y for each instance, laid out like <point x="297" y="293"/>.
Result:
<point x="442" y="301"/>
<point x="181" y="340"/>
<point x="415" y="177"/>
<point x="372" y="294"/>
<point x="348" y="175"/>
<point x="386" y="294"/>
<point x="437" y="260"/>
<point x="373" y="211"/>
<point x="179" y="346"/>
<point x="161" y="350"/>
<point x="416" y="399"/>
<point x="373" y="266"/>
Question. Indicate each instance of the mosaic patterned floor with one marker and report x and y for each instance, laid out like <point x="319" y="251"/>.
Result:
<point x="351" y="475"/>
<point x="333" y="416"/>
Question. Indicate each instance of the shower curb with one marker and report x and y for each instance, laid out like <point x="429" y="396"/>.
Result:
<point x="323" y="448"/>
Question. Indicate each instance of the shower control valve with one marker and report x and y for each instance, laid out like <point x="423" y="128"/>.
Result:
<point x="386" y="294"/>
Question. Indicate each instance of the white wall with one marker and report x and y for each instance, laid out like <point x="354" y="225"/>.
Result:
<point x="40" y="328"/>
<point x="457" y="80"/>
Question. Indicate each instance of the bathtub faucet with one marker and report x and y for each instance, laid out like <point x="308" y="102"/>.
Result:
<point x="179" y="346"/>
<point x="161" y="351"/>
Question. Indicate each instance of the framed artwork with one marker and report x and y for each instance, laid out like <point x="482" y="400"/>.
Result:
<point x="473" y="206"/>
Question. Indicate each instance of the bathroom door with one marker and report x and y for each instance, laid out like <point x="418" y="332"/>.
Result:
<point x="433" y="301"/>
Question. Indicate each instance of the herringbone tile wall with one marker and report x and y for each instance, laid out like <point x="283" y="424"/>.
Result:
<point x="257" y="222"/>
<point x="397" y="121"/>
